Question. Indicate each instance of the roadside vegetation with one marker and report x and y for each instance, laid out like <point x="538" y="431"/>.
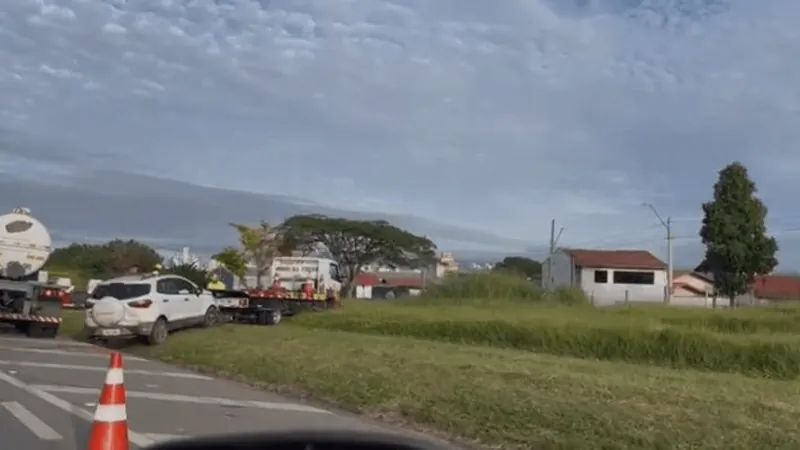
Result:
<point x="492" y="360"/>
<point x="536" y="371"/>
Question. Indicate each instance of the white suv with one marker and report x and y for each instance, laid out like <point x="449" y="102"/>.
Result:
<point x="148" y="306"/>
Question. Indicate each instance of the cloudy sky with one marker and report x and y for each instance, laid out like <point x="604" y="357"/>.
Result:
<point x="473" y="121"/>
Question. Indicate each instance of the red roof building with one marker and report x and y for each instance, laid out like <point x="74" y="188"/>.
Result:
<point x="777" y="287"/>
<point x="616" y="259"/>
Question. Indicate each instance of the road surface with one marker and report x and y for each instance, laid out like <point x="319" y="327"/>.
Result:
<point x="48" y="390"/>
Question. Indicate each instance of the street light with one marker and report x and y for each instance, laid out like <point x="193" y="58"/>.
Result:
<point x="667" y="224"/>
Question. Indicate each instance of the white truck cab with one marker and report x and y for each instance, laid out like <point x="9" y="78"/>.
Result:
<point x="293" y="271"/>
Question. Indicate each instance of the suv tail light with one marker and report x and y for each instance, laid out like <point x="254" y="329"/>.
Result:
<point x="141" y="304"/>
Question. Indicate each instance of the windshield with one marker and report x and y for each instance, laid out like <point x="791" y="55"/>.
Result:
<point x="121" y="291"/>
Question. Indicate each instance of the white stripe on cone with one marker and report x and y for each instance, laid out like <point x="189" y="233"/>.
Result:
<point x="110" y="413"/>
<point x="114" y="376"/>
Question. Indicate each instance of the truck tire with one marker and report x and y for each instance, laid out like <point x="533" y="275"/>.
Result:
<point x="269" y="317"/>
<point x="159" y="332"/>
<point x="38" y="330"/>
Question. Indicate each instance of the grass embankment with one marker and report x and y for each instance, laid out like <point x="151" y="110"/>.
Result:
<point x="471" y="371"/>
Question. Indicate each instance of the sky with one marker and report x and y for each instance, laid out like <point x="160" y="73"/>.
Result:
<point x="470" y="121"/>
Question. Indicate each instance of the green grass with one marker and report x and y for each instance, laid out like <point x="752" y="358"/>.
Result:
<point x="672" y="338"/>
<point x="527" y="370"/>
<point x="497" y="397"/>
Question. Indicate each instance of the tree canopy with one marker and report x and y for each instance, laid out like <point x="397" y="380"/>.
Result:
<point x="259" y="244"/>
<point x="107" y="260"/>
<point x="734" y="233"/>
<point x="233" y="260"/>
<point x="521" y="265"/>
<point x="191" y="272"/>
<point x="357" y="243"/>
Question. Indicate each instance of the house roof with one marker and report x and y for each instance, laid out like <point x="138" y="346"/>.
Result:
<point x="784" y="287"/>
<point x="367" y="279"/>
<point x="617" y="259"/>
<point x="702" y="276"/>
<point x="689" y="288"/>
<point x="395" y="279"/>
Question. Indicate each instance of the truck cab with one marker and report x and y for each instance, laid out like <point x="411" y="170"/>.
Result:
<point x="292" y="272"/>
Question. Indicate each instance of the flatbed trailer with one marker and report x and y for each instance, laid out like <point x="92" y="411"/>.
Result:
<point x="268" y="307"/>
<point x="31" y="307"/>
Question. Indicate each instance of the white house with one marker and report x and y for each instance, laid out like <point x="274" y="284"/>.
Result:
<point x="610" y="277"/>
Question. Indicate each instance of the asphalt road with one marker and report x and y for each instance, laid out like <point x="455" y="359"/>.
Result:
<point x="48" y="390"/>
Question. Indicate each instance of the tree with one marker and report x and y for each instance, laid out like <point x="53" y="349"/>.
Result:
<point x="734" y="233"/>
<point x="191" y="272"/>
<point x="234" y="262"/>
<point x="357" y="243"/>
<point x="122" y="256"/>
<point x="259" y="244"/>
<point x="107" y="260"/>
<point x="521" y="265"/>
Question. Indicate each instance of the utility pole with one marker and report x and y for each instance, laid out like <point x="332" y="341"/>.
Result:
<point x="546" y="283"/>
<point x="667" y="224"/>
<point x="552" y="250"/>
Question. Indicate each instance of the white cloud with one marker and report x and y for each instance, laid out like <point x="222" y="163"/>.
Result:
<point x="497" y="115"/>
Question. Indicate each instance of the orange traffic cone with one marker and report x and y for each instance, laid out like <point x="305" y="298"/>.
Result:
<point x="110" y="427"/>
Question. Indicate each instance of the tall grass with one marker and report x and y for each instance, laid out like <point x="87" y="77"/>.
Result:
<point x="496" y="288"/>
<point x="501" y="310"/>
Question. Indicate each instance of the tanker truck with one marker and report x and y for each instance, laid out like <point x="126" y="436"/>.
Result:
<point x="31" y="306"/>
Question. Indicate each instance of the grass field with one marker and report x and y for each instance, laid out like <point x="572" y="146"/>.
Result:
<point x="514" y="373"/>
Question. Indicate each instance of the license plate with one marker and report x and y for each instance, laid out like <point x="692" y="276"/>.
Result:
<point x="111" y="332"/>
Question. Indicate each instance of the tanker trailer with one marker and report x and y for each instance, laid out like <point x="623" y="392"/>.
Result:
<point x="26" y="303"/>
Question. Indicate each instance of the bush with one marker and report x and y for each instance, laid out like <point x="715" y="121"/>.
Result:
<point x="495" y="289"/>
<point x="642" y="341"/>
<point x="488" y="287"/>
<point x="570" y="297"/>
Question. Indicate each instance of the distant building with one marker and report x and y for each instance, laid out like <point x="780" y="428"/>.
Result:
<point x="184" y="257"/>
<point x="610" y="276"/>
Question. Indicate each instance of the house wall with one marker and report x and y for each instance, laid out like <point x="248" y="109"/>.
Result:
<point x="606" y="294"/>
<point x="363" y="291"/>
<point x="563" y="273"/>
<point x="693" y="281"/>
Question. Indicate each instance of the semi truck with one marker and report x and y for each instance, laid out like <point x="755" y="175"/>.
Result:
<point x="295" y="284"/>
<point x="31" y="305"/>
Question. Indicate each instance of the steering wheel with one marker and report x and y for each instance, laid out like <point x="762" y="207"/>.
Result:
<point x="302" y="440"/>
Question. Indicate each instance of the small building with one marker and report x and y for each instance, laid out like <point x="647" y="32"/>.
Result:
<point x="776" y="288"/>
<point x="697" y="289"/>
<point x="610" y="277"/>
<point x="387" y="285"/>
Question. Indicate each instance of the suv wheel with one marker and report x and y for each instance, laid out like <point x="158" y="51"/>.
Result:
<point x="159" y="332"/>
<point x="211" y="317"/>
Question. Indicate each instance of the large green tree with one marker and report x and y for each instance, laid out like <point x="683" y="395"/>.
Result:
<point x="107" y="260"/>
<point x="520" y="265"/>
<point x="357" y="243"/>
<point x="191" y="272"/>
<point x="734" y="233"/>
<point x="259" y="244"/>
<point x="233" y="260"/>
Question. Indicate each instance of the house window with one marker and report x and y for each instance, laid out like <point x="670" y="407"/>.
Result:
<point x="601" y="276"/>
<point x="625" y="277"/>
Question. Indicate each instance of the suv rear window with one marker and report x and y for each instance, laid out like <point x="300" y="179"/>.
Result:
<point x="121" y="291"/>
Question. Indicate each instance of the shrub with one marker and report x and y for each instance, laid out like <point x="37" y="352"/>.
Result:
<point x="570" y="297"/>
<point x="488" y="287"/>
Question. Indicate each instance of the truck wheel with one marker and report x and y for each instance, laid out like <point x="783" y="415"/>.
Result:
<point x="37" y="330"/>
<point x="159" y="332"/>
<point x="211" y="318"/>
<point x="269" y="317"/>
